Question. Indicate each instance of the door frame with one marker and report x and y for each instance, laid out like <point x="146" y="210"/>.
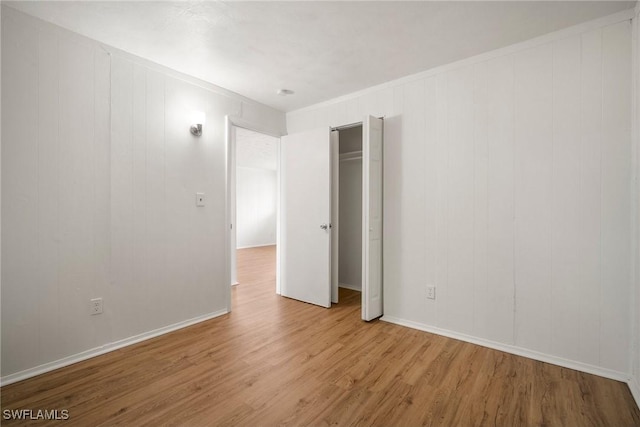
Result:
<point x="365" y="203"/>
<point x="231" y="121"/>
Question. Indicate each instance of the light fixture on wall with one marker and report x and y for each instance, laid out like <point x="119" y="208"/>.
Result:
<point x="197" y="121"/>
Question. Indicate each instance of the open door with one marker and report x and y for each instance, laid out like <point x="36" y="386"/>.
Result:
<point x="335" y="214"/>
<point x="371" y="218"/>
<point x="305" y="207"/>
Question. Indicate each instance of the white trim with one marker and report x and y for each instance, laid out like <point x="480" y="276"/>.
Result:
<point x="278" y="215"/>
<point x="528" y="44"/>
<point x="634" y="386"/>
<point x="97" y="351"/>
<point x="348" y="286"/>
<point x="256" y="246"/>
<point x="519" y="351"/>
<point x="255" y="127"/>
<point x="229" y="198"/>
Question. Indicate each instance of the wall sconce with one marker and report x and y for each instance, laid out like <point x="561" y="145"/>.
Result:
<point x="197" y="121"/>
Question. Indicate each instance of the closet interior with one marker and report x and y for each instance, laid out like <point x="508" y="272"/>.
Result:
<point x="349" y="230"/>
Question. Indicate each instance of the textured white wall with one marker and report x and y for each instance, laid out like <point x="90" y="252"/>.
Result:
<point x="507" y="185"/>
<point x="0" y="183"/>
<point x="634" y="382"/>
<point x="256" y="197"/>
<point x="99" y="175"/>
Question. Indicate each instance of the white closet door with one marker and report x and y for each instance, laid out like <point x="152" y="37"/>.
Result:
<point x="335" y="214"/>
<point x="371" y="218"/>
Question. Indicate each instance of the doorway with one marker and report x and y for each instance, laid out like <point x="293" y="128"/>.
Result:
<point x="347" y="213"/>
<point x="309" y="261"/>
<point x="253" y="179"/>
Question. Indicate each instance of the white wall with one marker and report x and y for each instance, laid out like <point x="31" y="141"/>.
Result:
<point x="256" y="200"/>
<point x="99" y="175"/>
<point x="507" y="186"/>
<point x="634" y="382"/>
<point x="0" y="183"/>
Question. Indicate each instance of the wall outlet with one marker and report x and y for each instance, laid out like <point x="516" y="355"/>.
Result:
<point x="431" y="292"/>
<point x="96" y="306"/>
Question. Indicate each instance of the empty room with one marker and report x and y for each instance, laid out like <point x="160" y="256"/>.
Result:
<point x="309" y="213"/>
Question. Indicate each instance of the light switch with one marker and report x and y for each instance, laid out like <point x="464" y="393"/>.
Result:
<point x="199" y="199"/>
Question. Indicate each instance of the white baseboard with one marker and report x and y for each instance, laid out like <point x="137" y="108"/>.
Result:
<point x="256" y="246"/>
<point x="97" y="351"/>
<point x="634" y="386"/>
<point x="519" y="351"/>
<point x="348" y="286"/>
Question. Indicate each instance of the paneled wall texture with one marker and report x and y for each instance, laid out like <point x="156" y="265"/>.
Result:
<point x="635" y="354"/>
<point x="256" y="205"/>
<point x="99" y="176"/>
<point x="507" y="185"/>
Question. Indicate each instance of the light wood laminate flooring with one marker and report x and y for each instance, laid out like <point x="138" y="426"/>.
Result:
<point x="275" y="361"/>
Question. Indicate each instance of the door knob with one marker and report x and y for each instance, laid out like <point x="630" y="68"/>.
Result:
<point x="324" y="226"/>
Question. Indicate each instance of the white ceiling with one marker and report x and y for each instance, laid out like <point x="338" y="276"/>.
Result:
<point x="255" y="150"/>
<point x="319" y="49"/>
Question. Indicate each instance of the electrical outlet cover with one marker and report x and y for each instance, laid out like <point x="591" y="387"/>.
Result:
<point x="96" y="306"/>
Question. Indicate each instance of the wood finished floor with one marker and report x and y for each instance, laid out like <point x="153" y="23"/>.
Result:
<point x="275" y="361"/>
